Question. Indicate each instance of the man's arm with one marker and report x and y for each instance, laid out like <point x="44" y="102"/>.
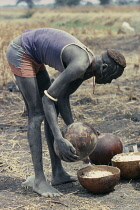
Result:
<point x="64" y="102"/>
<point x="66" y="150"/>
<point x="76" y="67"/>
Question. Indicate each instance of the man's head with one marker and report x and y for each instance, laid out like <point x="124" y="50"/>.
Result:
<point x="111" y="66"/>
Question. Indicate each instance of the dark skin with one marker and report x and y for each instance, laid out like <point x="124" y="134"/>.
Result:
<point x="41" y="108"/>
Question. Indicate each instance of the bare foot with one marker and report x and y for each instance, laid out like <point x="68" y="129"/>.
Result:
<point x="29" y="182"/>
<point x="63" y="178"/>
<point x="43" y="188"/>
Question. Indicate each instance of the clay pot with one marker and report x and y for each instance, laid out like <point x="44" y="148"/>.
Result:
<point x="100" y="183"/>
<point x="107" y="146"/>
<point x="83" y="137"/>
<point x="128" y="163"/>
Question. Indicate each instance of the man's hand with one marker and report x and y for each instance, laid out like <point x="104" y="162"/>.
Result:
<point x="65" y="150"/>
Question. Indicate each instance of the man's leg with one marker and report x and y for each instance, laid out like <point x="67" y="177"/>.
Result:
<point x="59" y="176"/>
<point x="30" y="92"/>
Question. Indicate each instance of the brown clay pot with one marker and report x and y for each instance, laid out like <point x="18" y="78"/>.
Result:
<point x="107" y="146"/>
<point x="102" y="184"/>
<point x="83" y="137"/>
<point x="130" y="168"/>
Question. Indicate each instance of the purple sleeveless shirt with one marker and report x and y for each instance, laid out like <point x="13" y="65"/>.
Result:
<point x="45" y="45"/>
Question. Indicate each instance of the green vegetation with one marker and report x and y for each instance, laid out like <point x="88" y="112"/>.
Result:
<point x="82" y="23"/>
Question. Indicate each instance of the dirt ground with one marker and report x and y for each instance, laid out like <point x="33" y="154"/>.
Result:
<point x="114" y="108"/>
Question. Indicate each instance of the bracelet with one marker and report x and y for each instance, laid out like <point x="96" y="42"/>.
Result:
<point x="50" y="97"/>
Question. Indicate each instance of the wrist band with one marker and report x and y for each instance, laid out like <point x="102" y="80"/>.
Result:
<point x="50" y="97"/>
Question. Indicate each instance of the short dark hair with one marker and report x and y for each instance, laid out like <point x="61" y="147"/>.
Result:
<point x="117" y="57"/>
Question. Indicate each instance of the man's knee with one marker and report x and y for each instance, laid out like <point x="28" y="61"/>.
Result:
<point x="36" y="118"/>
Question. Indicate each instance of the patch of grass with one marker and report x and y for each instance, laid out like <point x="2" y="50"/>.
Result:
<point x="28" y="14"/>
<point x="84" y="23"/>
<point x="80" y="23"/>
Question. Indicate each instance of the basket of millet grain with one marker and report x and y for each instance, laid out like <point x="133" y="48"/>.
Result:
<point x="99" y="179"/>
<point x="128" y="163"/>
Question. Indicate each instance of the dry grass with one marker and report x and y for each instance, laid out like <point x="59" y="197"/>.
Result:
<point x="96" y="27"/>
<point x="12" y="25"/>
<point x="85" y="23"/>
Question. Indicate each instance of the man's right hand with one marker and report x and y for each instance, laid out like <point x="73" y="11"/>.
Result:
<point x="65" y="150"/>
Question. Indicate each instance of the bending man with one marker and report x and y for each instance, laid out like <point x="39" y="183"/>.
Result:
<point x="27" y="56"/>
